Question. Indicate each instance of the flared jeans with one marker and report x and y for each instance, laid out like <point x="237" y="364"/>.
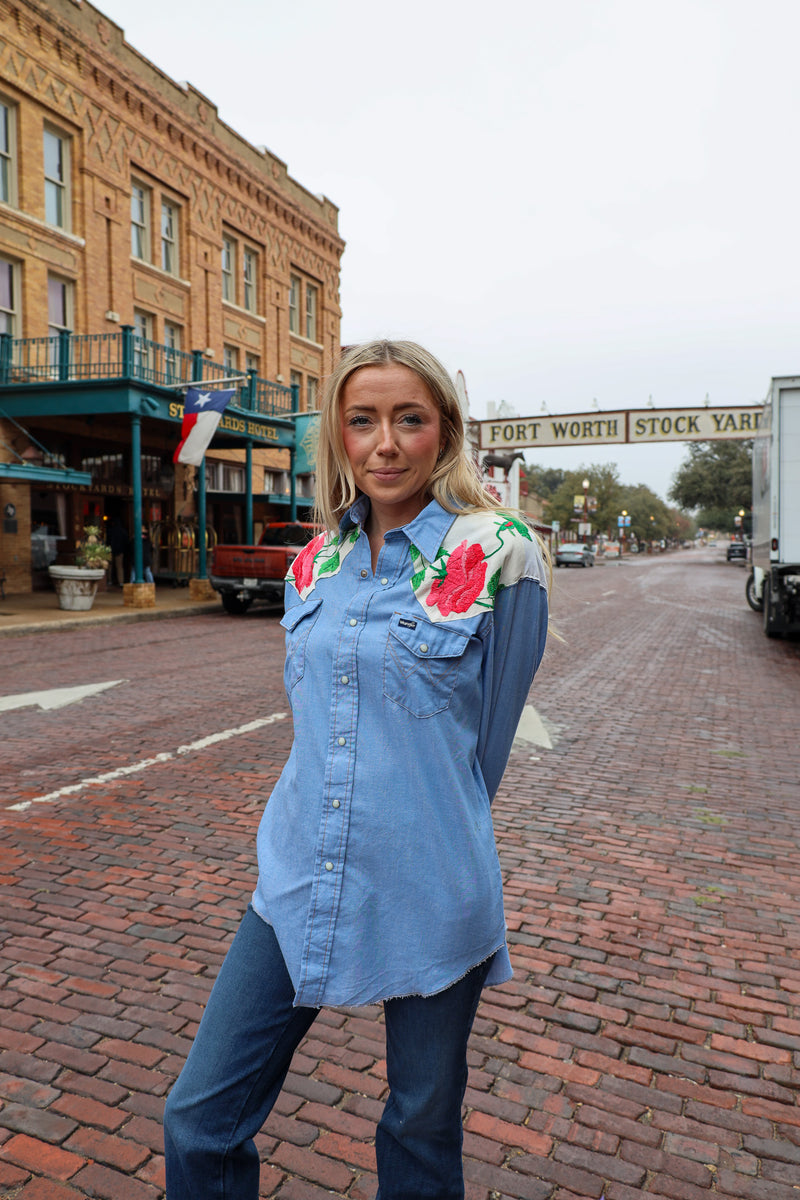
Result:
<point x="241" y="1056"/>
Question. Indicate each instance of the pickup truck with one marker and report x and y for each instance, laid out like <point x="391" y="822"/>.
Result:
<point x="242" y="574"/>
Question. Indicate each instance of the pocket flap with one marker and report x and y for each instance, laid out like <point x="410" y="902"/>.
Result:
<point x="299" y="611"/>
<point x="425" y="639"/>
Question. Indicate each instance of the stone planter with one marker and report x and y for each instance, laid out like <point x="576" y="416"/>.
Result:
<point x="76" y="586"/>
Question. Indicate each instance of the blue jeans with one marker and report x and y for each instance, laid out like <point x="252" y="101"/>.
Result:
<point x="241" y="1055"/>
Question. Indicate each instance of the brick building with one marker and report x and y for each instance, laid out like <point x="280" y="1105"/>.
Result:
<point x="144" y="244"/>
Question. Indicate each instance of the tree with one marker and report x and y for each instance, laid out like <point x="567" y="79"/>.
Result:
<point x="604" y="487"/>
<point x="716" y="479"/>
<point x="544" y="481"/>
<point x="651" y="518"/>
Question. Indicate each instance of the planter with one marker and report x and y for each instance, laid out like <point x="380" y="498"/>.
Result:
<point x="76" y="586"/>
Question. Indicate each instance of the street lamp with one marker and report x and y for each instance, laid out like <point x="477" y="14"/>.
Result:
<point x="585" y="503"/>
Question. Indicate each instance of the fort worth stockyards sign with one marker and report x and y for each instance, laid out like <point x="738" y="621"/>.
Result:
<point x="634" y="425"/>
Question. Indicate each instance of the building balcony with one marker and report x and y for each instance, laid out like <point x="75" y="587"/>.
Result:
<point x="124" y="358"/>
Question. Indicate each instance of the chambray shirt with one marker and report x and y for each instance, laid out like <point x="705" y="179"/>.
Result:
<point x="378" y="868"/>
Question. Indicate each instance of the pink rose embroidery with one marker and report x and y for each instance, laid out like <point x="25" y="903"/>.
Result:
<point x="462" y="583"/>
<point x="303" y="565"/>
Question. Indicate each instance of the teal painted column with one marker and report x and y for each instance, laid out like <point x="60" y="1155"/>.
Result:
<point x="6" y="351"/>
<point x="126" y="364"/>
<point x="295" y="388"/>
<point x="198" y="369"/>
<point x="248" y="503"/>
<point x="202" y="561"/>
<point x="136" y="484"/>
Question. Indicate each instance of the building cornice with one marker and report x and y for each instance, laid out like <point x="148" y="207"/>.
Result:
<point x="92" y="43"/>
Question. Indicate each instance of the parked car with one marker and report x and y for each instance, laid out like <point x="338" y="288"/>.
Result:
<point x="736" y="550"/>
<point x="574" y="554"/>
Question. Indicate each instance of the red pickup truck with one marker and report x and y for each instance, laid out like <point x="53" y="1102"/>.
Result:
<point x="242" y="574"/>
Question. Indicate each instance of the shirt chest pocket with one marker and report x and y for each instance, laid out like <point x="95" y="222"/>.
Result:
<point x="421" y="664"/>
<point x="298" y="623"/>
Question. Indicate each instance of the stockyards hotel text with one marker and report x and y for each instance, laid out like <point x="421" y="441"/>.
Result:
<point x="636" y="425"/>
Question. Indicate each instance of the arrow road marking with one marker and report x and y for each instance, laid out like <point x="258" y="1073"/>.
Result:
<point x="143" y="764"/>
<point x="55" y="697"/>
<point x="531" y="729"/>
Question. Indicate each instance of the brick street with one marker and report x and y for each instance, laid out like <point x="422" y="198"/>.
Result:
<point x="649" y="1043"/>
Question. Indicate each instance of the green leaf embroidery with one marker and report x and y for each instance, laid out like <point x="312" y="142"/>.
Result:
<point x="494" y="582"/>
<point x="331" y="565"/>
<point x="519" y="525"/>
<point x="418" y="561"/>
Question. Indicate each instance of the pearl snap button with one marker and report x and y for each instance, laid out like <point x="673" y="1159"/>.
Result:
<point x="353" y="621"/>
<point x="329" y="866"/>
<point x="384" y="582"/>
<point x="345" y="679"/>
<point x="335" y="803"/>
<point x="363" y="574"/>
<point x="342" y="741"/>
<point x="424" y="647"/>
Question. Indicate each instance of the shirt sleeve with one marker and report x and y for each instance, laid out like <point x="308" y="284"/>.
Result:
<point x="513" y="653"/>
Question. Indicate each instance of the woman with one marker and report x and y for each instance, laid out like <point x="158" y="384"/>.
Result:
<point x="414" y="625"/>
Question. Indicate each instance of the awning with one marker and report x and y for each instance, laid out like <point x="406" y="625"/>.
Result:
<point x="52" y="475"/>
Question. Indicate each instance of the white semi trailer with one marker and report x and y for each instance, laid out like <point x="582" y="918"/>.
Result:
<point x="773" y="587"/>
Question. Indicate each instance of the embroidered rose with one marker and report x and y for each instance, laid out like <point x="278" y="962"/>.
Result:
<point x="462" y="582"/>
<point x="303" y="565"/>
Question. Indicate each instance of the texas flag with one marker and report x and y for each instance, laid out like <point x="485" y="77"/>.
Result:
<point x="201" y="414"/>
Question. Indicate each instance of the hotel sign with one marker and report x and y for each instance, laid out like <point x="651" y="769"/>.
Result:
<point x="625" y="426"/>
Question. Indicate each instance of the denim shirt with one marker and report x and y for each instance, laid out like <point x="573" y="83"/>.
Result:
<point x="378" y="868"/>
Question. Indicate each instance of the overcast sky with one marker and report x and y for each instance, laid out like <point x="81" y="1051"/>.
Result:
<point x="569" y="201"/>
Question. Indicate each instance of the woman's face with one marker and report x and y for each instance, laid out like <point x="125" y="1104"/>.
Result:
<point x="392" y="433"/>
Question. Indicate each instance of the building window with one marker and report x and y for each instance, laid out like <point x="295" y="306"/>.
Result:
<point x="294" y="304"/>
<point x="172" y="336"/>
<point x="233" y="478"/>
<point x="59" y="315"/>
<point x="311" y="393"/>
<point x="230" y="359"/>
<point x="8" y="306"/>
<point x="142" y="347"/>
<point x="276" y="483"/>
<point x="249" y="273"/>
<point x="59" y="305"/>
<point x="229" y="270"/>
<point x="142" y="324"/>
<point x="311" y="312"/>
<point x="225" y="477"/>
<point x="7" y="154"/>
<point x="252" y="363"/>
<point x="56" y="179"/>
<point x="140" y="222"/>
<point x="106" y="468"/>
<point x="172" y="342"/>
<point x="169" y="237"/>
<point x="296" y="381"/>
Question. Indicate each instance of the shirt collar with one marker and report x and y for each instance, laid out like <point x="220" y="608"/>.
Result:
<point x="426" y="531"/>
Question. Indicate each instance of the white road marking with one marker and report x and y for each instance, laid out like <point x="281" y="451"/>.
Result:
<point x="613" y="592"/>
<point x="55" y="697"/>
<point x="531" y="729"/>
<point x="143" y="764"/>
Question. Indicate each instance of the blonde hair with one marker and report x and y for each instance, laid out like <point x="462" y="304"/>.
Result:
<point x="454" y="481"/>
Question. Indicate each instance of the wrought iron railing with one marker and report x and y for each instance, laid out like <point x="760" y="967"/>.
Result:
<point x="125" y="357"/>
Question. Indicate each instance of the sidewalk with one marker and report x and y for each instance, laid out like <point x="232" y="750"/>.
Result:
<point x="38" y="611"/>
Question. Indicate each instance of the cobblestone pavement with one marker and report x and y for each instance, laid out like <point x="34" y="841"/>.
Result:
<point x="649" y="1043"/>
